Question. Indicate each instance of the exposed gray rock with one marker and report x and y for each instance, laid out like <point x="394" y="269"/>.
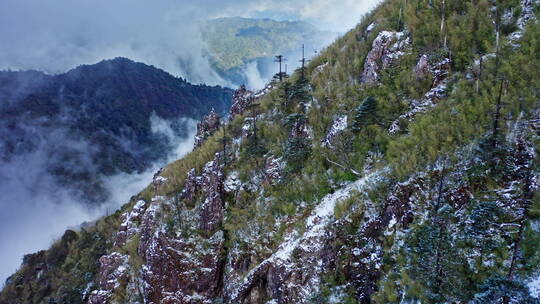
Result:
<point x="113" y="271"/>
<point x="130" y="224"/>
<point x="191" y="187"/>
<point x="212" y="185"/>
<point x="386" y="49"/>
<point x="339" y="124"/>
<point x="439" y="71"/>
<point x="242" y="98"/>
<point x="272" y="169"/>
<point x="207" y="127"/>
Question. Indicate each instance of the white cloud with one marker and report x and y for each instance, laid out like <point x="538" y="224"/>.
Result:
<point x="35" y="209"/>
<point x="57" y="35"/>
<point x="334" y="15"/>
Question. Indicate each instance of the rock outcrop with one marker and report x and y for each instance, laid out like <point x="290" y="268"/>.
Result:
<point x="338" y="125"/>
<point x="182" y="270"/>
<point x="129" y="227"/>
<point x="174" y="268"/>
<point x="527" y="14"/>
<point x="207" y="127"/>
<point x="439" y="70"/>
<point x="273" y="169"/>
<point x="422" y="69"/>
<point x="242" y="98"/>
<point x="385" y="50"/>
<point x="301" y="129"/>
<point x="191" y="187"/>
<point x="212" y="184"/>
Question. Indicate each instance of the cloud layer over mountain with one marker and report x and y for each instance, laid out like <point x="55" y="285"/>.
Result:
<point x="36" y="208"/>
<point x="57" y="35"/>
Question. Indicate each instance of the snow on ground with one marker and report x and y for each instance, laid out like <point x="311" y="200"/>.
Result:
<point x="338" y="126"/>
<point x="316" y="223"/>
<point x="534" y="287"/>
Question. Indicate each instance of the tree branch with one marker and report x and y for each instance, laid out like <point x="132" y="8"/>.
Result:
<point x="344" y="168"/>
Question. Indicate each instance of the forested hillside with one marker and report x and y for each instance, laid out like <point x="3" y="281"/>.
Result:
<point x="236" y="44"/>
<point x="400" y="166"/>
<point x="97" y="120"/>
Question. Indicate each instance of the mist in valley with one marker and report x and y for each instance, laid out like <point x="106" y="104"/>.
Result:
<point x="37" y="208"/>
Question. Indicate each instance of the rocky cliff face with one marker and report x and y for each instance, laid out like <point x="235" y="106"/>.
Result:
<point x="386" y="49"/>
<point x="178" y="267"/>
<point x="207" y="127"/>
<point x="244" y="98"/>
<point x="438" y="70"/>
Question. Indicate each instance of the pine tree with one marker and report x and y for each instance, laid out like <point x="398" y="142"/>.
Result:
<point x="254" y="145"/>
<point x="497" y="289"/>
<point x="481" y="224"/>
<point x="433" y="262"/>
<point x="285" y="96"/>
<point x="296" y="152"/>
<point x="365" y="114"/>
<point x="297" y="147"/>
<point x="300" y="91"/>
<point x="433" y="254"/>
<point x="225" y="140"/>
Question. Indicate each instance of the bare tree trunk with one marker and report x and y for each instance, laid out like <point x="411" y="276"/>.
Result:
<point x="479" y="76"/>
<point x="344" y="168"/>
<point x="497" y="42"/>
<point x="443" y="20"/>
<point x="497" y="118"/>
<point x="525" y="203"/>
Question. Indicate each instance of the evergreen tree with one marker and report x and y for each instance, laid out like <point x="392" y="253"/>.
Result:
<point x="433" y="255"/>
<point x="300" y="91"/>
<point x="285" y="96"/>
<point x="225" y="140"/>
<point x="502" y="290"/>
<point x="297" y="147"/>
<point x="433" y="263"/>
<point x="293" y="119"/>
<point x="296" y="152"/>
<point x="493" y="155"/>
<point x="365" y="114"/>
<point x="482" y="224"/>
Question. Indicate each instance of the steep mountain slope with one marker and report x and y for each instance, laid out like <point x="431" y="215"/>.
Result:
<point x="402" y="168"/>
<point x="96" y="120"/>
<point x="234" y="43"/>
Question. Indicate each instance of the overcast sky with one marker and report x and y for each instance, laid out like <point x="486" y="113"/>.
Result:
<point x="57" y="35"/>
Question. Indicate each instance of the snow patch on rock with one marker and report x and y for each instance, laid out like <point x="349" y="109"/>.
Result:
<point x="337" y="127"/>
<point x="534" y="287"/>
<point x="386" y="49"/>
<point x="309" y="244"/>
<point x="439" y="71"/>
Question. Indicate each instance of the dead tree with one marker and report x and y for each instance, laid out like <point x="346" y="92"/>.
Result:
<point x="280" y="59"/>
